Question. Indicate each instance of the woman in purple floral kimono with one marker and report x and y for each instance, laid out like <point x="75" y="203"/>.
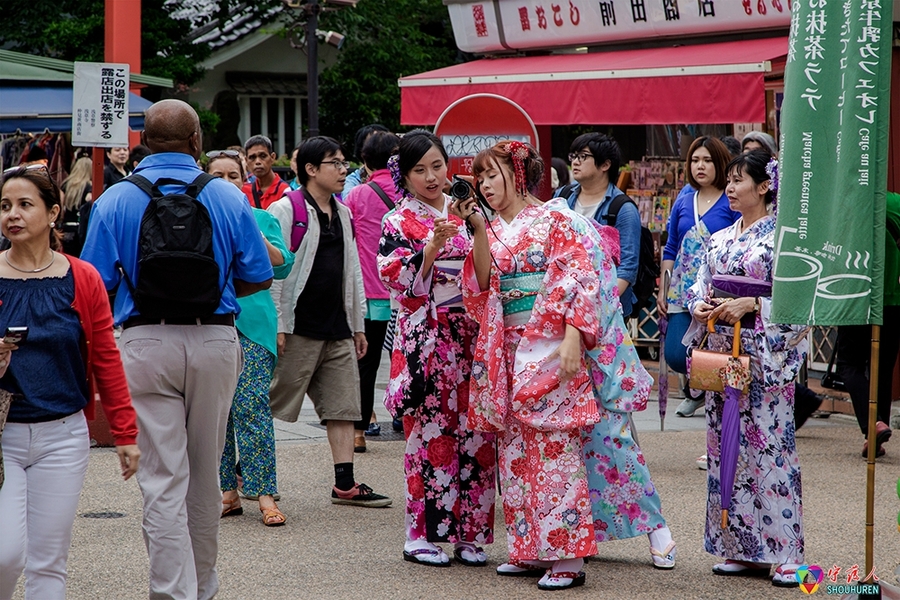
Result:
<point x="764" y="525"/>
<point x="449" y="468"/>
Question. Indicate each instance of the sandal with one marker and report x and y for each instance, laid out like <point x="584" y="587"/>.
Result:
<point x="739" y="568"/>
<point x="478" y="553"/>
<point x="517" y="568"/>
<point x="438" y="554"/>
<point x="664" y="559"/>
<point x="272" y="517"/>
<point x="232" y="509"/>
<point x="574" y="580"/>
<point x="785" y="576"/>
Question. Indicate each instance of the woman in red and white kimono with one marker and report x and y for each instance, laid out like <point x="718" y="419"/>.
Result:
<point x="532" y="287"/>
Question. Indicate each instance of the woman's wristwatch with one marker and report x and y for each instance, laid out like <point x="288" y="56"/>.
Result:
<point x="757" y="304"/>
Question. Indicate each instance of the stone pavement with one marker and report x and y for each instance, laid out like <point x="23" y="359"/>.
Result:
<point x="326" y="551"/>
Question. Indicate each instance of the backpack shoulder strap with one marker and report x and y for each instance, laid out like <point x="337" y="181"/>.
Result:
<point x="198" y="184"/>
<point x="381" y="194"/>
<point x="142" y="183"/>
<point x="301" y="218"/>
<point x="615" y="206"/>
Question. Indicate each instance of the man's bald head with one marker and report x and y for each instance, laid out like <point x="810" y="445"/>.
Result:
<point x="172" y="126"/>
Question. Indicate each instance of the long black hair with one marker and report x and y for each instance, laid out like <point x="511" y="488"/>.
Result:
<point x="413" y="147"/>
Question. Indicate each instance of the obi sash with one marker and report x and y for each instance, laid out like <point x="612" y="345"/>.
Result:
<point x="517" y="294"/>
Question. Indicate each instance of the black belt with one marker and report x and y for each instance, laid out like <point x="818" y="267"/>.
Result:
<point x="210" y="320"/>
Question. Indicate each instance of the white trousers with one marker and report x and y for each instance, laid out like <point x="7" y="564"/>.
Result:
<point x="45" y="466"/>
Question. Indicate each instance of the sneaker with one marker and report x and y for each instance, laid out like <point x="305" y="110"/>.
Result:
<point x="689" y="407"/>
<point x="701" y="462"/>
<point x="373" y="429"/>
<point x="359" y="495"/>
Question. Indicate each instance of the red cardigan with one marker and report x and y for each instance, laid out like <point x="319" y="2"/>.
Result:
<point x="103" y="363"/>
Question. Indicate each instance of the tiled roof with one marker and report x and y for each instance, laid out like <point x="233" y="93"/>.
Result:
<point x="218" y="33"/>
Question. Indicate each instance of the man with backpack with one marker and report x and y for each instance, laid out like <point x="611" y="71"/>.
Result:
<point x="181" y="246"/>
<point x="321" y="308"/>
<point x="595" y="160"/>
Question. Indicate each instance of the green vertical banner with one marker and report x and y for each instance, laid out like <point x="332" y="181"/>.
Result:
<point x="829" y="239"/>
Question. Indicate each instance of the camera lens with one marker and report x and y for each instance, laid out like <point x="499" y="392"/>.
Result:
<point x="461" y="189"/>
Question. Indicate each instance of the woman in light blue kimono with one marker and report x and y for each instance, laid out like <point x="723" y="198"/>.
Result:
<point x="624" y="501"/>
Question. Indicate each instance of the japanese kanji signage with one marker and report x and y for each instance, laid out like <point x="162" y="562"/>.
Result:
<point x="477" y="122"/>
<point x="100" y="105"/>
<point x="558" y="23"/>
<point x="829" y="241"/>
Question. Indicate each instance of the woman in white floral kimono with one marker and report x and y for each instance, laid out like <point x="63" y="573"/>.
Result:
<point x="764" y="525"/>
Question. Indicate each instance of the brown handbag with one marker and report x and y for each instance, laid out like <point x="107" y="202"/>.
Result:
<point x="705" y="366"/>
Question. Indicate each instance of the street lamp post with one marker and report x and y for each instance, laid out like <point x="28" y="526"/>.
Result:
<point x="312" y="65"/>
<point x="309" y="20"/>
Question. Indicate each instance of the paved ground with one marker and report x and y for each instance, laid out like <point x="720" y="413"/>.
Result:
<point x="327" y="551"/>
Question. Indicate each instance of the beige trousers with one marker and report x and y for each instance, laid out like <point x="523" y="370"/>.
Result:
<point x="182" y="379"/>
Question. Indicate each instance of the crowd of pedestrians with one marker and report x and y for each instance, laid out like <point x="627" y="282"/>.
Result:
<point x="238" y="295"/>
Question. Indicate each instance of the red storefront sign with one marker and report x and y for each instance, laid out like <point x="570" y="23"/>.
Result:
<point x="471" y="124"/>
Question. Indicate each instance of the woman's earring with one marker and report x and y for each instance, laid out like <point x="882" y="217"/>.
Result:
<point x="52" y="224"/>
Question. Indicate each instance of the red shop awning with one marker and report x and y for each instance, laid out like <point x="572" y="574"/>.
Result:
<point x="706" y="83"/>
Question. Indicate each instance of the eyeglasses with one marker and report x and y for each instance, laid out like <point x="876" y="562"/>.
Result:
<point x="20" y="169"/>
<point x="337" y="164"/>
<point x="580" y="157"/>
<point x="217" y="153"/>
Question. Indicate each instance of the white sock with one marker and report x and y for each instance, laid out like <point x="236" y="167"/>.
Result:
<point x="660" y="539"/>
<point x="411" y="545"/>
<point x="470" y="552"/>
<point x="573" y="565"/>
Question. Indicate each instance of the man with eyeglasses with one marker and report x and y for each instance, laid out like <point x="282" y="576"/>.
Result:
<point x="595" y="160"/>
<point x="321" y="308"/>
<point x="268" y="186"/>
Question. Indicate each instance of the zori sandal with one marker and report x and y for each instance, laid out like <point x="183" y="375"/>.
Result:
<point x="427" y="556"/>
<point x="664" y="559"/>
<point x="272" y="517"/>
<point x="561" y="581"/>
<point x="737" y="568"/>
<point x="517" y="568"/>
<point x="470" y="556"/>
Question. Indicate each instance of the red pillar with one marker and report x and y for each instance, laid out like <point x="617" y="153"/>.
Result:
<point x="122" y="44"/>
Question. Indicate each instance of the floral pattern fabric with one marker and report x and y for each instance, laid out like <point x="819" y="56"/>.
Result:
<point x="516" y="388"/>
<point x="450" y="469"/>
<point x="765" y="521"/>
<point x="624" y="500"/>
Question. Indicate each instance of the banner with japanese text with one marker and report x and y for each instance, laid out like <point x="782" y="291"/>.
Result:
<point x="829" y="240"/>
<point x="100" y="105"/>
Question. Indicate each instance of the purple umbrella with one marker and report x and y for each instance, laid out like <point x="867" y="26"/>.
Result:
<point x="663" y="382"/>
<point x="736" y="380"/>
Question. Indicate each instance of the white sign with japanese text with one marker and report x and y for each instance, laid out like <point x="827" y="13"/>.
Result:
<point x="100" y="105"/>
<point x="529" y="24"/>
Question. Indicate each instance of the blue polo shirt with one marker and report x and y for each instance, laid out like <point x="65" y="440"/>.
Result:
<point x="115" y="225"/>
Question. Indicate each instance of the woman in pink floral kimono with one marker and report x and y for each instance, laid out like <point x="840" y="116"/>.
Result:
<point x="450" y="469"/>
<point x="532" y="287"/>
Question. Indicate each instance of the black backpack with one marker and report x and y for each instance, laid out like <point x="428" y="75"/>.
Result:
<point x="648" y="267"/>
<point x="177" y="272"/>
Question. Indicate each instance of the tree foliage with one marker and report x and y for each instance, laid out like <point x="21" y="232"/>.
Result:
<point x="386" y="39"/>
<point x="73" y="30"/>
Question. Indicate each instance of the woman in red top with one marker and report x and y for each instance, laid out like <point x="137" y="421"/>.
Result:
<point x="51" y="373"/>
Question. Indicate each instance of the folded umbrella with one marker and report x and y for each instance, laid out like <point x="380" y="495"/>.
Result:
<point x="736" y="379"/>
<point x="662" y="385"/>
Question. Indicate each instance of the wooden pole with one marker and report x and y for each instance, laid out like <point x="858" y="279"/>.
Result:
<point x="870" y="467"/>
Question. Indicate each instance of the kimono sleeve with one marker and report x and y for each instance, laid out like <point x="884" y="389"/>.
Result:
<point x="399" y="263"/>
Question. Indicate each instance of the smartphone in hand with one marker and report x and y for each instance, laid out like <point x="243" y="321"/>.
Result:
<point x="15" y="335"/>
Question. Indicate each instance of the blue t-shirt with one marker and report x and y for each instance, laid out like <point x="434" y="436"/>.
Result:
<point x="47" y="372"/>
<point x="115" y="225"/>
<point x="681" y="219"/>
